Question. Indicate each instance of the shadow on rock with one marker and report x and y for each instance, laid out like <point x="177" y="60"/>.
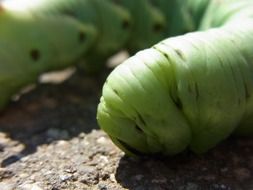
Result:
<point x="227" y="167"/>
<point x="49" y="113"/>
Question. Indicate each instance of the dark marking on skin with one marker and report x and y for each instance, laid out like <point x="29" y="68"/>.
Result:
<point x="130" y="149"/>
<point x="69" y="13"/>
<point x="35" y="54"/>
<point x="125" y="24"/>
<point x="247" y="94"/>
<point x="141" y="119"/>
<point x="138" y="129"/>
<point x="117" y="2"/>
<point x="82" y="36"/>
<point x="115" y="91"/>
<point x="154" y="3"/>
<point x="158" y="27"/>
<point x="177" y="102"/>
<point x="164" y="54"/>
<point x="180" y="54"/>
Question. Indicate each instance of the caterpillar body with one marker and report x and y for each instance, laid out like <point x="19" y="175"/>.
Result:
<point x="28" y="48"/>
<point x="62" y="31"/>
<point x="114" y="23"/>
<point x="190" y="91"/>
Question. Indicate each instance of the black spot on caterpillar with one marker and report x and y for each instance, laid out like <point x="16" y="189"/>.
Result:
<point x="52" y="42"/>
<point x="100" y="26"/>
<point x="192" y="91"/>
<point x="35" y="54"/>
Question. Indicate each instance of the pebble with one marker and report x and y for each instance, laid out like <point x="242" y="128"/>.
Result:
<point x="7" y="186"/>
<point x="102" y="140"/>
<point x="112" y="178"/>
<point x="221" y="187"/>
<point x="102" y="187"/>
<point x="29" y="187"/>
<point x="66" y="177"/>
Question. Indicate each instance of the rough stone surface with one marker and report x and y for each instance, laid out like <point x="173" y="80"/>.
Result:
<point x="49" y="140"/>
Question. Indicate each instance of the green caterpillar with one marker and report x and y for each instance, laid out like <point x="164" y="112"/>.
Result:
<point x="113" y="23"/>
<point x="117" y="24"/>
<point x="28" y="48"/>
<point x="190" y="91"/>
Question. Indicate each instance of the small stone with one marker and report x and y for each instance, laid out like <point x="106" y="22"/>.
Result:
<point x="221" y="187"/>
<point x="112" y="178"/>
<point x="102" y="140"/>
<point x="7" y="186"/>
<point x="66" y="177"/>
<point x="29" y="187"/>
<point x="102" y="187"/>
<point x="70" y="170"/>
<point x="62" y="143"/>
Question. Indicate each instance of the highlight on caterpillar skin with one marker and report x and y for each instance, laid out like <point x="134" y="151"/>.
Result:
<point x="119" y="24"/>
<point x="31" y="46"/>
<point x="108" y="26"/>
<point x="69" y="29"/>
<point x="186" y="92"/>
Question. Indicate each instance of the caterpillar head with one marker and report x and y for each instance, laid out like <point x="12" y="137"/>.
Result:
<point x="137" y="110"/>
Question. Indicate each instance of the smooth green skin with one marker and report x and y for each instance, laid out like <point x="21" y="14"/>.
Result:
<point x="31" y="46"/>
<point x="182" y="16"/>
<point x="119" y="23"/>
<point x="190" y="91"/>
<point x="145" y="18"/>
<point x="230" y="11"/>
<point x="112" y="22"/>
